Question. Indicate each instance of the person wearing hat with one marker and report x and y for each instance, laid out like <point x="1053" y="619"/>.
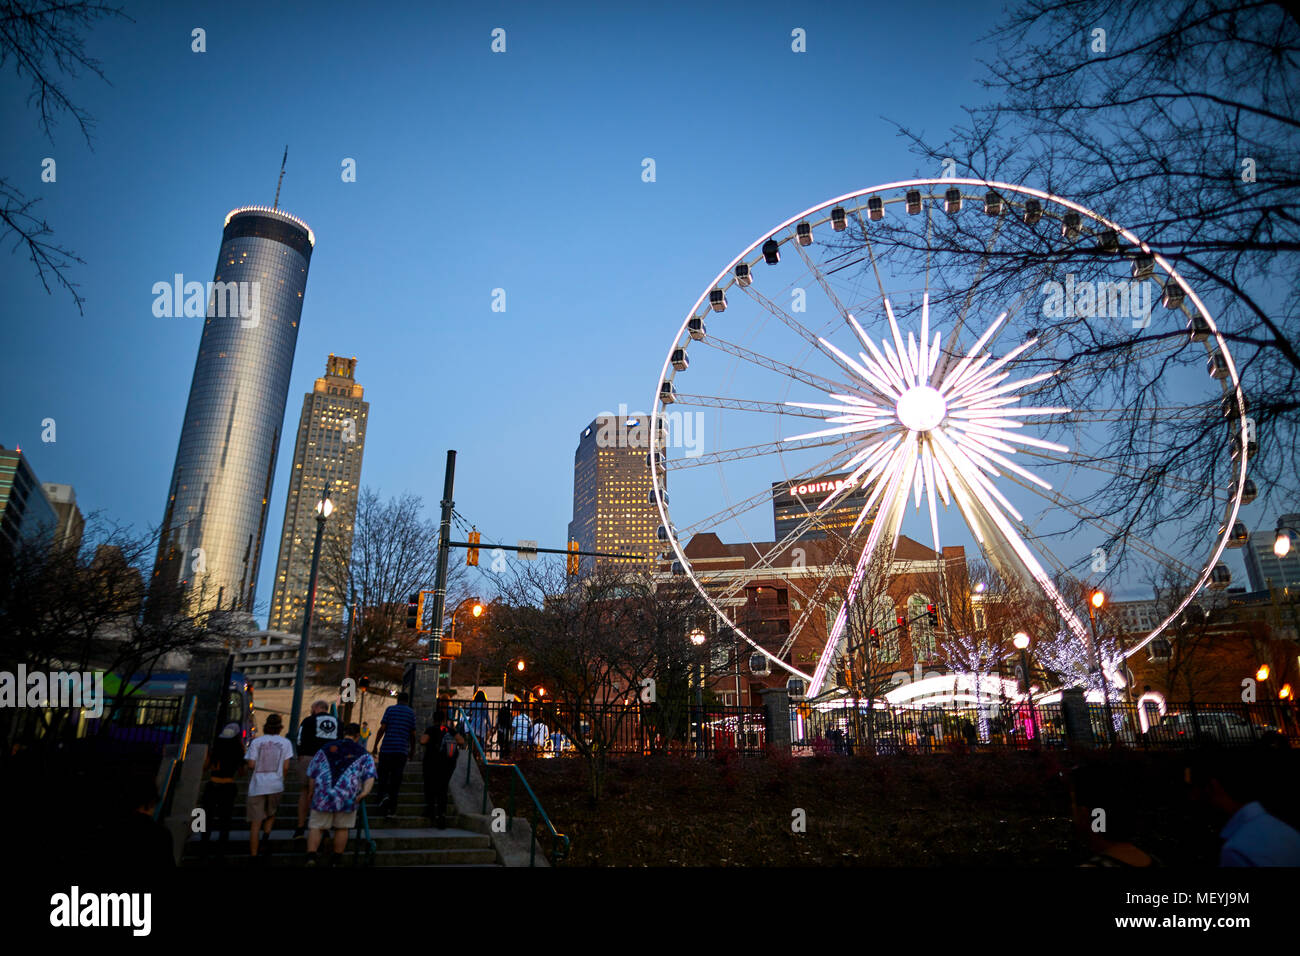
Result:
<point x="268" y="759"/>
<point x="225" y="759"/>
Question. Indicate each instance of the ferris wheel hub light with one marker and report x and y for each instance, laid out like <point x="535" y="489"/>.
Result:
<point x="921" y="408"/>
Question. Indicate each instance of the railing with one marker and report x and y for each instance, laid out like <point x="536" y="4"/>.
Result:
<point x="559" y="842"/>
<point x="1001" y="725"/>
<point x="545" y="730"/>
<point x="363" y="836"/>
<point x="173" y="768"/>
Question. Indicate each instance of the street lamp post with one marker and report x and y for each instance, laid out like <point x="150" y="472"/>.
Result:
<point x="323" y="509"/>
<point x="519" y="665"/>
<point x="451" y="638"/>
<point x="697" y="637"/>
<point x="477" y="611"/>
<point x="1095" y="602"/>
<point x="347" y="652"/>
<point x="1021" y="641"/>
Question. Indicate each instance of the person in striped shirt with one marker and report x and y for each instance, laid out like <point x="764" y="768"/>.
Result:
<point x="394" y="744"/>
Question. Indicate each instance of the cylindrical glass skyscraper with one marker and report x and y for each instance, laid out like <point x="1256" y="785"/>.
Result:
<point x="217" y="504"/>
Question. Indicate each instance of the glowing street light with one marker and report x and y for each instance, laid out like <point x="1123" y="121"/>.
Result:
<point x="1095" y="602"/>
<point x="697" y="637"/>
<point x="1021" y="641"/>
<point x="1282" y="541"/>
<point x="324" y="508"/>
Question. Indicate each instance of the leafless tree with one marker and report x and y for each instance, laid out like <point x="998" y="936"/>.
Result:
<point x="83" y="609"/>
<point x="393" y="554"/>
<point x="44" y="41"/>
<point x="1177" y="121"/>
<point x="612" y="652"/>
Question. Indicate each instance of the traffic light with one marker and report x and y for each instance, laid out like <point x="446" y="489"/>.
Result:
<point x="572" y="559"/>
<point x="902" y="622"/>
<point x="471" y="553"/>
<point x="875" y="639"/>
<point x="932" y="615"/>
<point x="413" y="611"/>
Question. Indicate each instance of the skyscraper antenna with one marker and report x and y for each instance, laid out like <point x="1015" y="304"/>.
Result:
<point x="281" y="179"/>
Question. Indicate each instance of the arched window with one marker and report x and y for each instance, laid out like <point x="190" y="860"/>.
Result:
<point x="884" y="619"/>
<point x="923" y="643"/>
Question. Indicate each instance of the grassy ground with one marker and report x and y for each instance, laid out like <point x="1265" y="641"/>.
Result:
<point x="979" y="809"/>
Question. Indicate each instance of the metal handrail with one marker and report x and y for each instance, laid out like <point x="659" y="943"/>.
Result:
<point x="559" y="842"/>
<point x="182" y="750"/>
<point x="363" y="835"/>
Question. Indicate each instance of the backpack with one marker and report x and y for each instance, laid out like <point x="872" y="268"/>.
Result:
<point x="448" y="749"/>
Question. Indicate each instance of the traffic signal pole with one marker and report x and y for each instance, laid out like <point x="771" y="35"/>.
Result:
<point x="440" y="577"/>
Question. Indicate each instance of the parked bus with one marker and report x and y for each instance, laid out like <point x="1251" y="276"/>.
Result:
<point x="153" y="709"/>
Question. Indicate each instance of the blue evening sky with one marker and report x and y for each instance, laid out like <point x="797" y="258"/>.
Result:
<point x="475" y="171"/>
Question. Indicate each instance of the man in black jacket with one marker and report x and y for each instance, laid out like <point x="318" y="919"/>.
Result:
<point x="442" y="742"/>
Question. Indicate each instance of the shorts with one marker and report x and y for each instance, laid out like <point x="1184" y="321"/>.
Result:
<point x="323" y="819"/>
<point x="303" y="764"/>
<point x="263" y="806"/>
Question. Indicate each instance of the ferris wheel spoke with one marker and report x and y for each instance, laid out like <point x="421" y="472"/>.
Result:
<point x="1106" y="358"/>
<point x="983" y="507"/>
<point x="1154" y="416"/>
<point x="747" y="405"/>
<point x="750" y="451"/>
<point x="893" y="492"/>
<point x="1110" y="528"/>
<point x="871" y="252"/>
<point x="790" y="371"/>
<point x="764" y="565"/>
<point x="813" y="603"/>
<point x="759" y="498"/>
<point x="797" y="327"/>
<point x="1171" y="482"/>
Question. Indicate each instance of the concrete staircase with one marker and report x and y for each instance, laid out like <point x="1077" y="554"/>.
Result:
<point x="405" y="839"/>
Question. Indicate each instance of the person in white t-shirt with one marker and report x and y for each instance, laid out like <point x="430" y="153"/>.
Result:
<point x="268" y="759"/>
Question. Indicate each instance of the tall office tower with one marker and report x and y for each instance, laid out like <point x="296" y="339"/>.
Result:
<point x="71" y="523"/>
<point x="26" y="514"/>
<point x="612" y="507"/>
<point x="215" y="520"/>
<point x="331" y="441"/>
<point x="796" y="504"/>
<point x="1263" y="567"/>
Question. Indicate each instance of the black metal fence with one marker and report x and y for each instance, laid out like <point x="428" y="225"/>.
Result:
<point x="547" y="730"/>
<point x="1017" y="726"/>
<point x="543" y="729"/>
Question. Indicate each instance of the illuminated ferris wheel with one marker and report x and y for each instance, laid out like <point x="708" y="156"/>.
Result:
<point x="965" y="362"/>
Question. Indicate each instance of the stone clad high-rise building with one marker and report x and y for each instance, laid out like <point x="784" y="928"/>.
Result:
<point x="330" y="445"/>
<point x="1264" y="568"/>
<point x="612" y="508"/>
<point x="215" y="520"/>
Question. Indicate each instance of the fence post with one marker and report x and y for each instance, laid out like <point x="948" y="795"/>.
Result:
<point x="1077" y="717"/>
<point x="776" y="715"/>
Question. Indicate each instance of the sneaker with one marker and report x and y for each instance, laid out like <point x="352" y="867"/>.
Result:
<point x="313" y="859"/>
<point x="301" y="831"/>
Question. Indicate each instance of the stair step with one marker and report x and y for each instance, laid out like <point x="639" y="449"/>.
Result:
<point x="385" y="839"/>
<point x="288" y="820"/>
<point x="418" y="857"/>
